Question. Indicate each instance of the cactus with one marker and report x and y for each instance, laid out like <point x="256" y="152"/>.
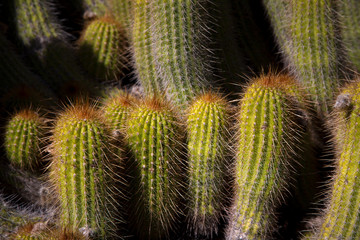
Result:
<point x="123" y="12"/>
<point x="306" y="35"/>
<point x="349" y="19"/>
<point x="102" y="49"/>
<point x="341" y="216"/>
<point x="81" y="171"/>
<point x="208" y="124"/>
<point x="266" y="142"/>
<point x="152" y="135"/>
<point x="179" y="38"/>
<point x="143" y="50"/>
<point x="117" y="108"/>
<point x="22" y="139"/>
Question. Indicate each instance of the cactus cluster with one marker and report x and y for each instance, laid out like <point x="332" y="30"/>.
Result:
<point x="125" y="119"/>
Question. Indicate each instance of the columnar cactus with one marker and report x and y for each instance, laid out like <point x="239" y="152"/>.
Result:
<point x="102" y="49"/>
<point x="22" y="139"/>
<point x="152" y="131"/>
<point x="342" y="214"/>
<point x="266" y="142"/>
<point x="143" y="49"/>
<point x="349" y="20"/>
<point x="208" y="123"/>
<point x="306" y="35"/>
<point x="179" y="36"/>
<point x="81" y="172"/>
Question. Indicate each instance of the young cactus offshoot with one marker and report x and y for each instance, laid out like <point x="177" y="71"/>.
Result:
<point x="267" y="140"/>
<point x="22" y="139"/>
<point x="208" y="124"/>
<point x="81" y="172"/>
<point x="102" y="49"/>
<point x="153" y="137"/>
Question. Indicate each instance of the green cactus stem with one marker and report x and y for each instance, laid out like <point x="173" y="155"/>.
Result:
<point x="152" y="131"/>
<point x="117" y="109"/>
<point x="23" y="139"/>
<point x="208" y="124"/>
<point x="306" y="35"/>
<point x="81" y="172"/>
<point x="267" y="141"/>
<point x="123" y="12"/>
<point x="143" y="49"/>
<point x="102" y="49"/>
<point x="349" y="19"/>
<point x="180" y="37"/>
<point x="341" y="219"/>
<point x="97" y="7"/>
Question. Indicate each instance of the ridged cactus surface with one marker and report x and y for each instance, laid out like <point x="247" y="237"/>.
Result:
<point x="266" y="142"/>
<point x="341" y="218"/>
<point x="81" y="171"/>
<point x="208" y="162"/>
<point x="349" y="20"/>
<point x="179" y="38"/>
<point x="102" y="49"/>
<point x="22" y="139"/>
<point x="143" y="49"/>
<point x="306" y="35"/>
<point x="153" y="137"/>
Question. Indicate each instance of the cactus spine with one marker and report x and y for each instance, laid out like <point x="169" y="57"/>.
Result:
<point x="207" y="124"/>
<point x="266" y="143"/>
<point x="22" y="139"/>
<point x="152" y="132"/>
<point x="81" y="171"/>
<point x="102" y="49"/>
<point x="306" y="34"/>
<point x="341" y="219"/>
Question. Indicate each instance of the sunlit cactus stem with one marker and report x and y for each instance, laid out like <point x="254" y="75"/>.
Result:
<point x="305" y="32"/>
<point x="23" y="137"/>
<point x="208" y="166"/>
<point x="341" y="218"/>
<point x="266" y="146"/>
<point x="179" y="36"/>
<point x="81" y="172"/>
<point x="152" y="134"/>
<point x="143" y="49"/>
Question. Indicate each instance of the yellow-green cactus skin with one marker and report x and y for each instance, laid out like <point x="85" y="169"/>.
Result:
<point x="153" y="137"/>
<point x="82" y="173"/>
<point x="102" y="49"/>
<point x="23" y="136"/>
<point x="341" y="218"/>
<point x="306" y="36"/>
<point x="208" y="122"/>
<point x="266" y="145"/>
